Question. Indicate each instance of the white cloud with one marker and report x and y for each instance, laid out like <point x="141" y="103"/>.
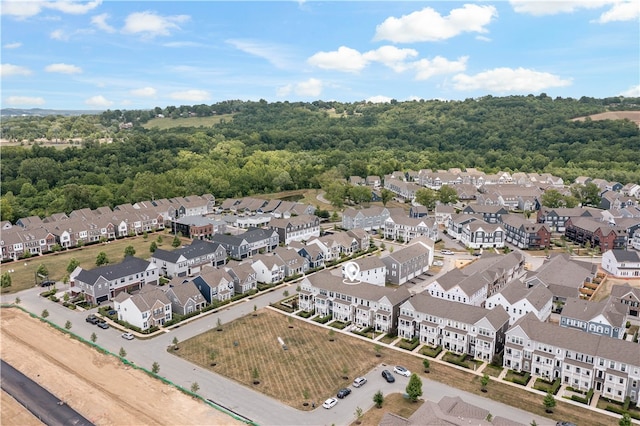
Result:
<point x="73" y="7"/>
<point x="379" y="99"/>
<point x="429" y="25"/>
<point x="632" y="92"/>
<point x="100" y="21"/>
<point x="12" y="45"/>
<point x="344" y="59"/>
<point x="22" y="9"/>
<point x="283" y="91"/>
<point x="272" y="53"/>
<point x="7" y="70"/>
<point x="183" y="44"/>
<point x="63" y="68"/>
<point x="553" y="7"/>
<point x="59" y="35"/>
<point x="150" y="24"/>
<point x="144" y="92"/>
<point x="191" y="95"/>
<point x="426" y="68"/>
<point x="501" y="80"/>
<point x="623" y="11"/>
<point x="311" y="87"/>
<point x="391" y="56"/>
<point x="98" y="101"/>
<point x="23" y="101"/>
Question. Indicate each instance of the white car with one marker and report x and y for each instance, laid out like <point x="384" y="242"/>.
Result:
<point x="398" y="369"/>
<point x="127" y="336"/>
<point x="446" y="252"/>
<point x="359" y="381"/>
<point x="330" y="403"/>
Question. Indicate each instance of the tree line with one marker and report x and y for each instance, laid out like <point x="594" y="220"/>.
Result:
<point x="269" y="147"/>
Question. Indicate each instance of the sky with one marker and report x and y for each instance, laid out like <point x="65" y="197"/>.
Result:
<point x="105" y="54"/>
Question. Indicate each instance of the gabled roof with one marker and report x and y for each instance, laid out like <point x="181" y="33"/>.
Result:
<point x="538" y="296"/>
<point x="146" y="298"/>
<point x="186" y="291"/>
<point x="625" y="255"/>
<point x="327" y="281"/>
<point x="586" y="310"/>
<point x="468" y="314"/>
<point x="130" y="265"/>
<point x="196" y="249"/>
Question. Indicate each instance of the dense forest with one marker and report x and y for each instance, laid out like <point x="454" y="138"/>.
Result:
<point x="259" y="147"/>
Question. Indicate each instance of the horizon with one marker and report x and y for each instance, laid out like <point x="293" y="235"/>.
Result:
<point x="101" y="55"/>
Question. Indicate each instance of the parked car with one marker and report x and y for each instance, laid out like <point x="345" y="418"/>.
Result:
<point x="92" y="319"/>
<point x="103" y="325"/>
<point x="398" y="369"/>
<point x="330" y="403"/>
<point x="47" y="283"/>
<point x="112" y="312"/>
<point x="438" y="263"/>
<point x="388" y="376"/>
<point x="565" y="424"/>
<point x="127" y="336"/>
<point x="444" y="251"/>
<point x="343" y="393"/>
<point x="359" y="381"/>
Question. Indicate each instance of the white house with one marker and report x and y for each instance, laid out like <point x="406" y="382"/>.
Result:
<point x="148" y="308"/>
<point x="622" y="263"/>
<point x="518" y="300"/>
<point x="372" y="270"/>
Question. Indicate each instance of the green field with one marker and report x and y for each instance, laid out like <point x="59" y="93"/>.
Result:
<point x="170" y="123"/>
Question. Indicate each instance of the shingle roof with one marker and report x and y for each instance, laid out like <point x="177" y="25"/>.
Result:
<point x="468" y="314"/>
<point x="130" y="265"/>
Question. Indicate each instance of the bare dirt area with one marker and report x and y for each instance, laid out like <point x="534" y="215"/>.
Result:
<point x="14" y="414"/>
<point x="614" y="115"/>
<point x="98" y="386"/>
<point x="604" y="289"/>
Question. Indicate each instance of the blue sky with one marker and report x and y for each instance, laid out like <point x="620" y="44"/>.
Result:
<point x="138" y="55"/>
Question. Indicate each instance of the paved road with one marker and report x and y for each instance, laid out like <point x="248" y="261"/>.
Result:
<point x="40" y="402"/>
<point x="258" y="407"/>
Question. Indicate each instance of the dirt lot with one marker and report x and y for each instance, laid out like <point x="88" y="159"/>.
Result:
<point x="13" y="413"/>
<point x="98" y="386"/>
<point x="604" y="289"/>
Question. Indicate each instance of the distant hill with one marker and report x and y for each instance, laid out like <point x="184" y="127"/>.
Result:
<point x="614" y="115"/>
<point x="39" y="112"/>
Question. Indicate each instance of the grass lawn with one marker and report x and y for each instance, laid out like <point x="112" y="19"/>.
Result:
<point x="393" y="403"/>
<point x="24" y="270"/>
<point x="169" y="123"/>
<point x="492" y="370"/>
<point x="315" y="364"/>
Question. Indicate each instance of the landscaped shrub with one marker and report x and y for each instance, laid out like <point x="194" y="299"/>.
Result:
<point x="520" y="378"/>
<point x="48" y="293"/>
<point x="364" y="333"/>
<point x="323" y="320"/>
<point x="431" y="351"/>
<point x="583" y="400"/>
<point x="305" y="314"/>
<point x="547" y="386"/>
<point x="339" y="324"/>
<point x="409" y="344"/>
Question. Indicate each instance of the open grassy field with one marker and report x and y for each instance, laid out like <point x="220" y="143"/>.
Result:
<point x="315" y="364"/>
<point x="169" y="123"/>
<point x="24" y="271"/>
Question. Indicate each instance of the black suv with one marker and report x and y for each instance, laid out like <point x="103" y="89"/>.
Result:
<point x="388" y="376"/>
<point x="47" y="283"/>
<point x="343" y="392"/>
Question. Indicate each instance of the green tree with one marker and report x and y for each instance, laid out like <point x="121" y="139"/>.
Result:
<point x="43" y="271"/>
<point x="255" y="374"/>
<point x="159" y="239"/>
<point x="386" y="196"/>
<point x="414" y="387"/>
<point x="67" y="325"/>
<point x="17" y="302"/>
<point x="552" y="198"/>
<point x="426" y="364"/>
<point x="122" y="353"/>
<point x="335" y="193"/>
<point x="359" y="415"/>
<point x="549" y="402"/>
<point x="72" y="265"/>
<point x="102" y="259"/>
<point x="94" y="337"/>
<point x="427" y="197"/>
<point x="129" y="251"/>
<point x="195" y="387"/>
<point x="155" y="367"/>
<point x="447" y="195"/>
<point x="378" y="399"/>
<point x="176" y="241"/>
<point x="484" y="381"/>
<point x="625" y="420"/>
<point x="44" y="314"/>
<point x="153" y="247"/>
<point x="360" y="194"/>
<point x="5" y="280"/>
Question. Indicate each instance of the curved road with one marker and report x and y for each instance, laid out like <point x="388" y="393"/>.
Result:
<point x="39" y="401"/>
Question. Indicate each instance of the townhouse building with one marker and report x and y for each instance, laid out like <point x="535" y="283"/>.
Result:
<point x="149" y="307"/>
<point x="294" y="264"/>
<point x="458" y="221"/>
<point x="296" y="228"/>
<point x="269" y="268"/>
<point x="257" y="220"/>
<point x="362" y="304"/>
<point x="627" y="299"/>
<point x="104" y="283"/>
<point x="185" y="297"/>
<point x="405" y="191"/>
<point x="215" y="284"/>
<point x="409" y="262"/>
<point x="480" y="235"/>
<point x="244" y="277"/>
<point x="188" y="260"/>
<point x="198" y="227"/>
<point x="400" y="227"/>
<point x="599" y="318"/>
<point x="369" y="219"/>
<point x="622" y="263"/>
<point x="596" y="234"/>
<point x="466" y="330"/>
<point x="372" y="270"/>
<point x="525" y="235"/>
<point x="518" y="300"/>
<point x="249" y="243"/>
<point x="563" y="276"/>
<point x="581" y="360"/>
<point x="473" y="284"/>
<point x="489" y="213"/>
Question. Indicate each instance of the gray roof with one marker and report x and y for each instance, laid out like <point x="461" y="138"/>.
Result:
<point x="561" y="275"/>
<point x="146" y="298"/>
<point x="186" y="291"/>
<point x="130" y="265"/>
<point x="196" y="249"/>
<point x="327" y="281"/>
<point x="468" y="314"/>
<point x="537" y="295"/>
<point x="578" y="341"/>
<point x="408" y="253"/>
<point x="586" y="310"/>
<point x="626" y="255"/>
<point x="370" y="262"/>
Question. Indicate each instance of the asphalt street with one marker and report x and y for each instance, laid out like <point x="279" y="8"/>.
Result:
<point x="39" y="401"/>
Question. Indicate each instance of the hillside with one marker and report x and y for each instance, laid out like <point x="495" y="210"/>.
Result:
<point x="614" y="115"/>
